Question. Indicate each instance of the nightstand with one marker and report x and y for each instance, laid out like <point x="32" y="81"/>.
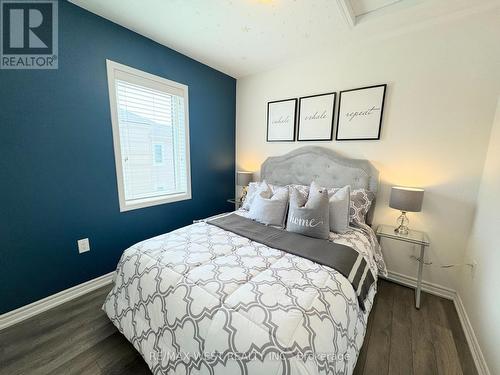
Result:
<point x="413" y="237"/>
<point x="237" y="203"/>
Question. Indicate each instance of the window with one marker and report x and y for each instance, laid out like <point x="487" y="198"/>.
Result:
<point x="149" y="115"/>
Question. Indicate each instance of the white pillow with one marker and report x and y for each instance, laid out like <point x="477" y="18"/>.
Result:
<point x="269" y="209"/>
<point x="251" y="193"/>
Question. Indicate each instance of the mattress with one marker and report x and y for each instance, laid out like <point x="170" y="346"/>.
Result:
<point x="203" y="300"/>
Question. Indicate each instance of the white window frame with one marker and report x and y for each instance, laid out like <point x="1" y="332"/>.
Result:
<point x="112" y="69"/>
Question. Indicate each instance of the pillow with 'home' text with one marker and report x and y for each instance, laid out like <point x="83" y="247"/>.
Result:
<point x="312" y="217"/>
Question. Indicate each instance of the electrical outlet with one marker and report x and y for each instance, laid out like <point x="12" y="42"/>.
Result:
<point x="83" y="245"/>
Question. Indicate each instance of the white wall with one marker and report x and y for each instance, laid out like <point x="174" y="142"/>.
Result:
<point x="479" y="287"/>
<point x="443" y="80"/>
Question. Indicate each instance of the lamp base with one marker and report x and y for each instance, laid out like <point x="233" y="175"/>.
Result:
<point x="244" y="192"/>
<point x="403" y="222"/>
<point x="402" y="230"/>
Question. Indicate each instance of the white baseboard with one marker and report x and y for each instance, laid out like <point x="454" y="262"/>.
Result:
<point x="428" y="287"/>
<point x="441" y="291"/>
<point x="37" y="307"/>
<point x="477" y="354"/>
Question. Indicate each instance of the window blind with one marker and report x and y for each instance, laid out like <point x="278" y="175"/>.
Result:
<point x="152" y="134"/>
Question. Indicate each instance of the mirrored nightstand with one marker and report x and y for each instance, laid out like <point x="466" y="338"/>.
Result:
<point x="413" y="237"/>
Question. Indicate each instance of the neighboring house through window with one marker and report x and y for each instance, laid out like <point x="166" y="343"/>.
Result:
<point x="158" y="154"/>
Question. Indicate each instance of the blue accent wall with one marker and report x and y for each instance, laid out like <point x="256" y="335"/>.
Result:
<point x="58" y="180"/>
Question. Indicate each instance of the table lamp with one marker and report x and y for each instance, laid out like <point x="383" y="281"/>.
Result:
<point x="405" y="199"/>
<point x="243" y="179"/>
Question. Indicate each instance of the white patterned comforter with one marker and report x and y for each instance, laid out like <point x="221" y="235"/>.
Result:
<point x="201" y="300"/>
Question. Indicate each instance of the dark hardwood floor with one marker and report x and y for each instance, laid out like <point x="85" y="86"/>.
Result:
<point x="78" y="338"/>
<point x="403" y="340"/>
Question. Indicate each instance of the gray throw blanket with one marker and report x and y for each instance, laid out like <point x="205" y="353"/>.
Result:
<point x="343" y="259"/>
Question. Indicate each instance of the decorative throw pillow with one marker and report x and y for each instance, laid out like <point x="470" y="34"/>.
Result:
<point x="268" y="208"/>
<point x="253" y="190"/>
<point x="251" y="193"/>
<point x="302" y="189"/>
<point x="361" y="201"/>
<point x="339" y="206"/>
<point x="312" y="218"/>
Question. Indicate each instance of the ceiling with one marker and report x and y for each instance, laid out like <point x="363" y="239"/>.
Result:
<point x="361" y="7"/>
<point x="243" y="37"/>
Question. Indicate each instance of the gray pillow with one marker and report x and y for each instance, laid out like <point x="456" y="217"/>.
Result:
<point x="254" y="188"/>
<point x="361" y="201"/>
<point x="312" y="218"/>
<point x="270" y="210"/>
<point x="340" y="200"/>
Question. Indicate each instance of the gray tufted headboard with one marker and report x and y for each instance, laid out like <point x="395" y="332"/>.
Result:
<point x="325" y="166"/>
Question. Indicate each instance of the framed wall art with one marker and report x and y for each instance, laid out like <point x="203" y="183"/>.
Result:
<point x="360" y="113"/>
<point x="281" y="119"/>
<point x="316" y="114"/>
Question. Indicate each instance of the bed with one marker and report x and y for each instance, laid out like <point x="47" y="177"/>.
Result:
<point x="204" y="300"/>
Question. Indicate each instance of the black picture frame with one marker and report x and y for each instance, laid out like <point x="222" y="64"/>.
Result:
<point x="381" y="114"/>
<point x="294" y="120"/>
<point x="332" y="121"/>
